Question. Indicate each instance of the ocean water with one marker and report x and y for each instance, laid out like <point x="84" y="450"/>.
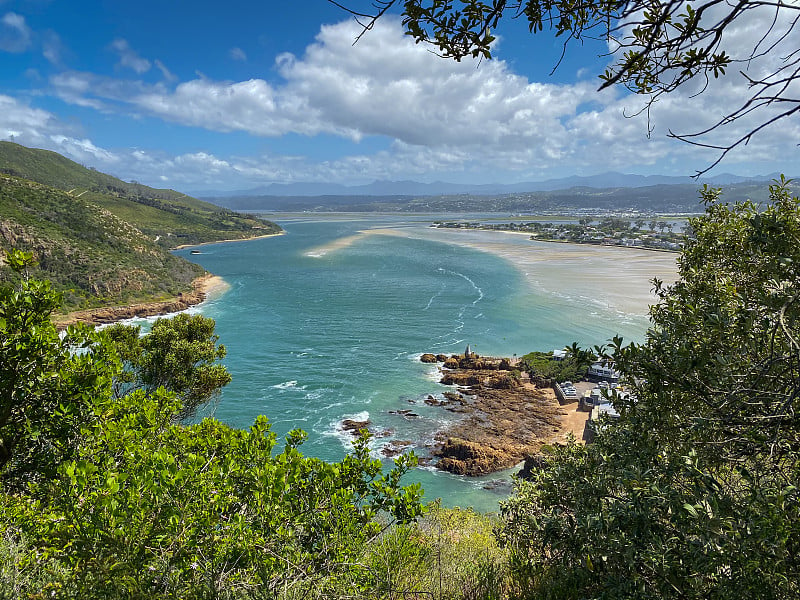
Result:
<point x="326" y="323"/>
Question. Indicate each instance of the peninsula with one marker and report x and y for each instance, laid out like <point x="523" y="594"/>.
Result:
<point x="508" y="417"/>
<point x="606" y="231"/>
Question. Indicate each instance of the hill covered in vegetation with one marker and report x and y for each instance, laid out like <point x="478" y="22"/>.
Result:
<point x="689" y="493"/>
<point x="166" y="216"/>
<point x="649" y="200"/>
<point x="102" y="241"/>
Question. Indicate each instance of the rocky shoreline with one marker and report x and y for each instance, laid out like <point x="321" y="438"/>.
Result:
<point x="507" y="419"/>
<point x="112" y="314"/>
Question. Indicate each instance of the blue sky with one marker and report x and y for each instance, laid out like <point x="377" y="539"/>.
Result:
<point x="223" y="96"/>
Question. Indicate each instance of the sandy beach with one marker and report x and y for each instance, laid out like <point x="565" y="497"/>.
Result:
<point x="206" y="287"/>
<point x="609" y="276"/>
<point x="247" y="239"/>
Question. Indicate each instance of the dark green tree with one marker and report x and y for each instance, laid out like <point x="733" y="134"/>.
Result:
<point x="692" y="492"/>
<point x="47" y="381"/>
<point x="107" y="495"/>
<point x="179" y="354"/>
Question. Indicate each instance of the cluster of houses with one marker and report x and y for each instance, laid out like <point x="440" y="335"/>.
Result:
<point x="597" y="400"/>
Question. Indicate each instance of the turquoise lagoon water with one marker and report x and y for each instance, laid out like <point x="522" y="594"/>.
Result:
<point x="321" y="326"/>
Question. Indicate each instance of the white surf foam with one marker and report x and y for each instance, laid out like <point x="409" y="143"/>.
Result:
<point x="285" y="385"/>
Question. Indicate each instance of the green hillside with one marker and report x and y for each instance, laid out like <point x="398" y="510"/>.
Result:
<point x="100" y="240"/>
<point x="92" y="256"/>
<point x="166" y="216"/>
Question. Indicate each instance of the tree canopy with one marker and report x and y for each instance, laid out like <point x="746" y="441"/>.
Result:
<point x="178" y="353"/>
<point x="104" y="493"/>
<point x="693" y="491"/>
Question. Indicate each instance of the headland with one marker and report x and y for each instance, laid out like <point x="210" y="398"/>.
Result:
<point x="204" y="287"/>
<point x="507" y="418"/>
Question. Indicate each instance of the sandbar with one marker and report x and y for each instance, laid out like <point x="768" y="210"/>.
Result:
<point x="614" y="277"/>
<point x="247" y="239"/>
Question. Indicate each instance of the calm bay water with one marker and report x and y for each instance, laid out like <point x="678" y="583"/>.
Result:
<point x="321" y="326"/>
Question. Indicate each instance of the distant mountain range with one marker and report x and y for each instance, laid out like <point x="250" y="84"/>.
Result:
<point x="658" y="198"/>
<point x="437" y="188"/>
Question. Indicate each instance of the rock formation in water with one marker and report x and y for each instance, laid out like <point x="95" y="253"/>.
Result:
<point x="507" y="417"/>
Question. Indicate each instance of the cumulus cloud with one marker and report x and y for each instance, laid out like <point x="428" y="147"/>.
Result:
<point x="129" y="58"/>
<point x="24" y="124"/>
<point x="15" y="35"/>
<point x="439" y="115"/>
<point x="761" y="42"/>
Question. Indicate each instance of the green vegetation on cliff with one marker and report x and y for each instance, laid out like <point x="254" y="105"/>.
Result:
<point x="99" y="240"/>
<point x="691" y="493"/>
<point x="166" y="216"/>
<point x="91" y="256"/>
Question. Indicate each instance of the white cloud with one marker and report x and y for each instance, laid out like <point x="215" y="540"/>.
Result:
<point x="165" y="72"/>
<point x="237" y="54"/>
<point x="15" y="35"/>
<point x="440" y="116"/>
<point x="39" y="128"/>
<point x="83" y="150"/>
<point x="52" y="47"/>
<point x="129" y="58"/>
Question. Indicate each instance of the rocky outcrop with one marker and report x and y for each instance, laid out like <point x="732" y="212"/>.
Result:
<point x="395" y="448"/>
<point x="354" y="426"/>
<point x="428" y="358"/>
<point x="462" y="378"/>
<point x="102" y="316"/>
<point x="463" y="457"/>
<point x="506" y="418"/>
<point x="531" y="464"/>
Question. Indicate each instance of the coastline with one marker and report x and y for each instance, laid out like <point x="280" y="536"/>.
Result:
<point x="619" y="278"/>
<point x="205" y="287"/>
<point x="507" y="418"/>
<point x="257" y="237"/>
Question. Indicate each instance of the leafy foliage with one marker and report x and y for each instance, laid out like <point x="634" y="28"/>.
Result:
<point x="692" y="492"/>
<point x="179" y="354"/>
<point x="114" y="498"/>
<point x="542" y="365"/>
<point x="449" y="553"/>
<point x="46" y="388"/>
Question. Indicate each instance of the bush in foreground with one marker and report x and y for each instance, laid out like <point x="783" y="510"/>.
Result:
<point x="108" y="496"/>
<point x="692" y="493"/>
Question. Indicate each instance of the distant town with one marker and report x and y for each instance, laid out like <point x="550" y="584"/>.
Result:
<point x="656" y="234"/>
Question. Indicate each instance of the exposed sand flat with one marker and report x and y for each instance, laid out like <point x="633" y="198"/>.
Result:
<point x="213" y="287"/>
<point x="345" y="242"/>
<point x="247" y="239"/>
<point x="609" y="276"/>
<point x="338" y="244"/>
<point x="605" y="276"/>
